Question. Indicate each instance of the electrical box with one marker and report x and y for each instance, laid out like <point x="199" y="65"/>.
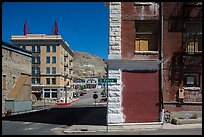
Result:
<point x="181" y="93"/>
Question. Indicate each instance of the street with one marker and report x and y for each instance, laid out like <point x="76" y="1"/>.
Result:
<point x="83" y="112"/>
<point x="41" y="122"/>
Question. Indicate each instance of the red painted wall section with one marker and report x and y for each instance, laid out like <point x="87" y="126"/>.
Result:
<point x="129" y="14"/>
<point x="140" y="96"/>
<point x="127" y="29"/>
<point x="172" y="43"/>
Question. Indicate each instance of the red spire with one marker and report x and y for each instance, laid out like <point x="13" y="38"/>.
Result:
<point x="25" y="28"/>
<point x="56" y="28"/>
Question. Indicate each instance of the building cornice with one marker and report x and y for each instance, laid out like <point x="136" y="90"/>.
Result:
<point x="40" y="39"/>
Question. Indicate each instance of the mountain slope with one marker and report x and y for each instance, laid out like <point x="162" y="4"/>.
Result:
<point x="87" y="65"/>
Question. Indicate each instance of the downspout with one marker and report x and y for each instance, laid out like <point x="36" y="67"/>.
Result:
<point x="162" y="63"/>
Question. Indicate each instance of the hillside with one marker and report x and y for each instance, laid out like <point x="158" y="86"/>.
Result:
<point x="87" y="65"/>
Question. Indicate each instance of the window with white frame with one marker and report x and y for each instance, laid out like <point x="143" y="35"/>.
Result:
<point x="191" y="80"/>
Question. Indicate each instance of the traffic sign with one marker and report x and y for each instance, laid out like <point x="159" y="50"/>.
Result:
<point x="95" y="96"/>
<point x="105" y="80"/>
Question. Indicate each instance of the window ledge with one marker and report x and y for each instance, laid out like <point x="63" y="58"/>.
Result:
<point x="147" y="52"/>
<point x="191" y="88"/>
<point x="192" y="53"/>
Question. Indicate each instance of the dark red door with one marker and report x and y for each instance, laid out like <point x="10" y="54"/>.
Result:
<point x="140" y="96"/>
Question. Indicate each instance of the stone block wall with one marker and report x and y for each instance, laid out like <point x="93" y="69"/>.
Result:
<point x="13" y="64"/>
<point x="115" y="114"/>
<point x="114" y="29"/>
<point x="114" y="89"/>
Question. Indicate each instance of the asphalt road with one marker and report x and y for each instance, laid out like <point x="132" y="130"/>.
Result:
<point x="82" y="112"/>
<point x="87" y="100"/>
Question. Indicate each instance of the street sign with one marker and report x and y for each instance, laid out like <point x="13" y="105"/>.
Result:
<point x="95" y="96"/>
<point x="105" y="80"/>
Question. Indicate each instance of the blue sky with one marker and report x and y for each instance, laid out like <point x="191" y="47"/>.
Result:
<point x="83" y="25"/>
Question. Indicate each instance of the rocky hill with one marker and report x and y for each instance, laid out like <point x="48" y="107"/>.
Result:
<point x="87" y="65"/>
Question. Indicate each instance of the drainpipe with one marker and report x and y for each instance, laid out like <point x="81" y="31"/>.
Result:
<point x="162" y="63"/>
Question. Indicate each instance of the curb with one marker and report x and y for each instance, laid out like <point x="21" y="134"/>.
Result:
<point x="67" y="104"/>
<point x="183" y="126"/>
<point x="178" y="121"/>
<point x="127" y="128"/>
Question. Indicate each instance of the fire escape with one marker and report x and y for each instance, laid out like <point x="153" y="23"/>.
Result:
<point x="186" y="18"/>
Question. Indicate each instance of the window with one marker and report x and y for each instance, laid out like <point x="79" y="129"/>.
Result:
<point x="33" y="59"/>
<point x="47" y="80"/>
<point x="146" y="36"/>
<point x="13" y="81"/>
<point x="33" y="48"/>
<point x="38" y="80"/>
<point x="38" y="49"/>
<point x="33" y="80"/>
<point x="48" y="49"/>
<point x="194" y="44"/>
<point x="191" y="80"/>
<point x="38" y="60"/>
<point x="53" y="80"/>
<point x="54" y="94"/>
<point x="4" y="81"/>
<point x="53" y="59"/>
<point x="47" y="94"/>
<point x="47" y="59"/>
<point x="33" y="70"/>
<point x="53" y="48"/>
<point x="47" y="70"/>
<point x="53" y="70"/>
<point x="38" y="70"/>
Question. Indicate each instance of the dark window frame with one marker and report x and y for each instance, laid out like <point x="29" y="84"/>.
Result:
<point x="54" y="59"/>
<point x="47" y="59"/>
<point x="147" y="33"/>
<point x="54" y="49"/>
<point x="53" y="81"/>
<point x="47" y="81"/>
<point x="47" y="48"/>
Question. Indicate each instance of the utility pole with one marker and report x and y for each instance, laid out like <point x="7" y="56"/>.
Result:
<point x="65" y="94"/>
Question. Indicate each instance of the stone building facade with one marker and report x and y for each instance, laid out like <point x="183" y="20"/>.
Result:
<point x="16" y="64"/>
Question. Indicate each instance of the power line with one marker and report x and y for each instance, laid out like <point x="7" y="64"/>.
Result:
<point x="76" y="29"/>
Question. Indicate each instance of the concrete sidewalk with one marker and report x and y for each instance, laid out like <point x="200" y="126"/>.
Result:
<point x="127" y="128"/>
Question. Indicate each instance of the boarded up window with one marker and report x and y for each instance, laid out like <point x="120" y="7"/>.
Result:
<point x="14" y="80"/>
<point x="4" y="81"/>
<point x="141" y="45"/>
<point x="193" y="42"/>
<point x="146" y="36"/>
<point x="192" y="47"/>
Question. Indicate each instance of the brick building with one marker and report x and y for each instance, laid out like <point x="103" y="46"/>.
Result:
<point x="155" y="52"/>
<point x="16" y="77"/>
